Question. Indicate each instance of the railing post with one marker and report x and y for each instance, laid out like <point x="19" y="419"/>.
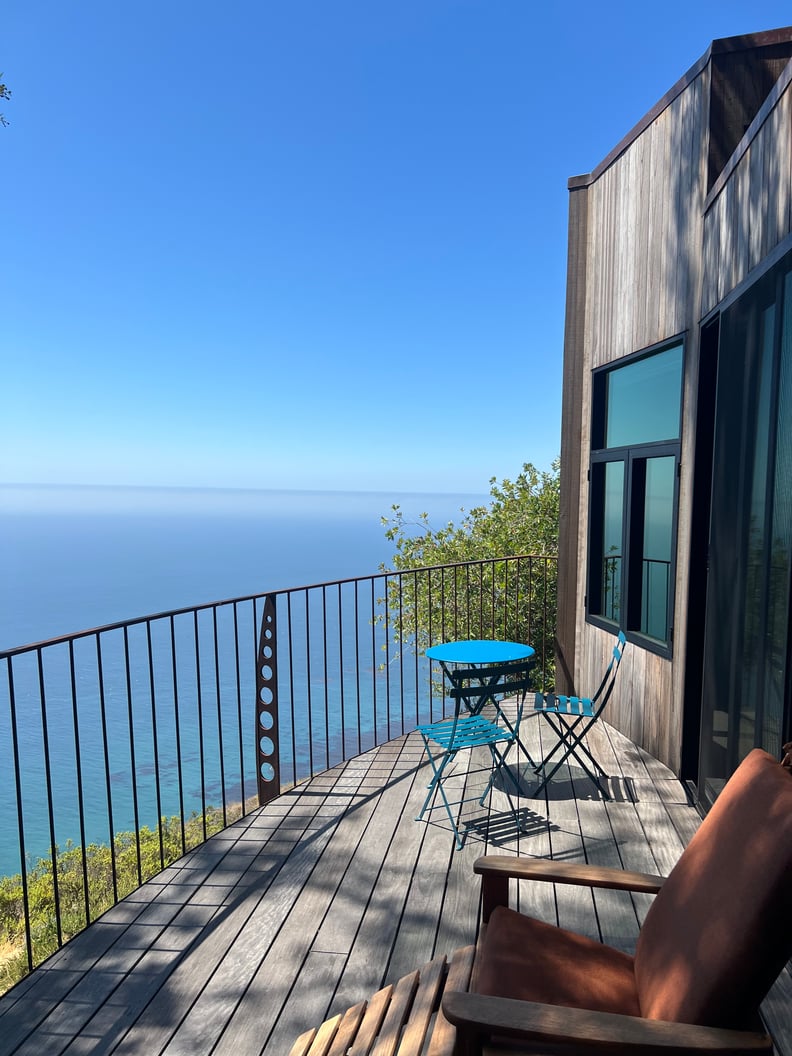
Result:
<point x="267" y="741"/>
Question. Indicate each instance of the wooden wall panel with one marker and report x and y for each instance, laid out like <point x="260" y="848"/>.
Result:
<point x="662" y="253"/>
<point x="694" y="147"/>
<point x="751" y="208"/>
<point x="571" y="513"/>
<point x="644" y="231"/>
<point x="641" y="211"/>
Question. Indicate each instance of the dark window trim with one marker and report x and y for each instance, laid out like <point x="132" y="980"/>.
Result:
<point x="629" y="455"/>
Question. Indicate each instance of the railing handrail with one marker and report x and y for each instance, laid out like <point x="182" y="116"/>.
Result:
<point x="63" y="639"/>
<point x="134" y="738"/>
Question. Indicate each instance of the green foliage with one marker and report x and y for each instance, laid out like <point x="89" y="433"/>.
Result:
<point x="522" y="518"/>
<point x="5" y="93"/>
<point x="138" y="857"/>
<point x="515" y="600"/>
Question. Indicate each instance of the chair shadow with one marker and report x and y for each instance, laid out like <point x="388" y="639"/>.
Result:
<point x="502" y="827"/>
<point x="575" y="785"/>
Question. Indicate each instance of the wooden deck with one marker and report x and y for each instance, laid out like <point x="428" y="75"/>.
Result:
<point x="310" y="904"/>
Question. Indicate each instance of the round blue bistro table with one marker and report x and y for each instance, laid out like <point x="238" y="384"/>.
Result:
<point x="479" y="651"/>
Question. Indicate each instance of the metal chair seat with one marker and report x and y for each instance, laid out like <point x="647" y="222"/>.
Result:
<point x="469" y="731"/>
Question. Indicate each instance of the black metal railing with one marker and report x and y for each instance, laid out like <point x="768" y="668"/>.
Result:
<point x="126" y="745"/>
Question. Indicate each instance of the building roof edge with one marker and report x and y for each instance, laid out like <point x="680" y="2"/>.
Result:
<point x="717" y="47"/>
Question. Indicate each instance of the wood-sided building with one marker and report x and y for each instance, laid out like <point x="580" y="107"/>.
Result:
<point x="676" y="452"/>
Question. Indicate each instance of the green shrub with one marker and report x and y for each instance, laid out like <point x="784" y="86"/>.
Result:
<point x="80" y="872"/>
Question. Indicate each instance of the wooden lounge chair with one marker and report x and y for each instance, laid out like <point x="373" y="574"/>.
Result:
<point x="714" y="940"/>
<point x="403" y="1019"/>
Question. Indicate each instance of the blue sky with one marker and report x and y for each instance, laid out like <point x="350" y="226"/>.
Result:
<point x="305" y="243"/>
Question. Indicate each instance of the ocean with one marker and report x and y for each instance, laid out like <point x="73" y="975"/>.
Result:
<point x="74" y="558"/>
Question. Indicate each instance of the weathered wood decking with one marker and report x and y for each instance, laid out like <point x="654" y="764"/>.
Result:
<point x="306" y="906"/>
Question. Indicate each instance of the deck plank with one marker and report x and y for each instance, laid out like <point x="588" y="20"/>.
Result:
<point x="308" y="906"/>
<point x="231" y="952"/>
<point x="384" y="867"/>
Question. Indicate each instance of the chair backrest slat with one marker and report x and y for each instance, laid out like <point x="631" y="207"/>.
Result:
<point x="717" y="934"/>
<point x="600" y="698"/>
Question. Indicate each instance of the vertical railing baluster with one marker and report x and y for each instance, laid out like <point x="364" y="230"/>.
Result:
<point x="132" y="760"/>
<point x="430" y="632"/>
<point x="50" y="804"/>
<point x="374" y="663"/>
<point x="106" y="754"/>
<point x="401" y="648"/>
<point x="493" y="570"/>
<point x="308" y="675"/>
<point x="357" y="664"/>
<point x="326" y="679"/>
<point x="291" y="686"/>
<point x="387" y="658"/>
<point x="20" y="811"/>
<point x="199" y="699"/>
<point x="78" y="769"/>
<point x="177" y="718"/>
<point x="456" y="601"/>
<point x="416" y="643"/>
<point x="517" y="584"/>
<point x="220" y="745"/>
<point x="237" y="674"/>
<point x="443" y="606"/>
<point x="544" y="618"/>
<point x="341" y="671"/>
<point x="155" y="743"/>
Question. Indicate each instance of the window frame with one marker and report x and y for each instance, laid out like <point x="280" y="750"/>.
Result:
<point x="634" y="457"/>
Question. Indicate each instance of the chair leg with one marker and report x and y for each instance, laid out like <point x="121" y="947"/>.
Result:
<point x="498" y="765"/>
<point x="572" y="743"/>
<point x="517" y="738"/>
<point x="435" y="786"/>
<point x="562" y="732"/>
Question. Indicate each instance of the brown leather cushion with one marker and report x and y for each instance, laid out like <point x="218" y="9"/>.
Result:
<point x="525" y="959"/>
<point x="718" y="933"/>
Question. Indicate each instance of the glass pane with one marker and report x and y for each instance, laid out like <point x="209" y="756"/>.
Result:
<point x="657" y="546"/>
<point x="643" y="400"/>
<point x="746" y="656"/>
<point x="754" y="638"/>
<point x="612" y="546"/>
<point x="771" y="733"/>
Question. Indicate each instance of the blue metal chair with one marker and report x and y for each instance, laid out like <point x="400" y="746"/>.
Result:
<point x="572" y="717"/>
<point x="472" y="690"/>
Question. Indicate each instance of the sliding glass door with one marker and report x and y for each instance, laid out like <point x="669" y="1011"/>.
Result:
<point x="746" y="666"/>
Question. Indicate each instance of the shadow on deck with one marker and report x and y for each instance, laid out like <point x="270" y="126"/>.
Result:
<point x="308" y="905"/>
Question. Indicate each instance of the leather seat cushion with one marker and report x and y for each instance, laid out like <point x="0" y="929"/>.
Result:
<point x="528" y="960"/>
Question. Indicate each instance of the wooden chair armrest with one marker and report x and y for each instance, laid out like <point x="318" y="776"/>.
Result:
<point x="496" y="870"/>
<point x="477" y="1016"/>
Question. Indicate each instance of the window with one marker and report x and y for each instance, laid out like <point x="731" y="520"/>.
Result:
<point x="634" y="476"/>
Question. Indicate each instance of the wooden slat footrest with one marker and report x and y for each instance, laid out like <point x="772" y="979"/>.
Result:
<point x="404" y="1019"/>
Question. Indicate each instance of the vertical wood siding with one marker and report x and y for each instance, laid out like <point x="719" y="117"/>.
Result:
<point x="661" y="254"/>
<point x="643" y="286"/>
<point x="751" y="209"/>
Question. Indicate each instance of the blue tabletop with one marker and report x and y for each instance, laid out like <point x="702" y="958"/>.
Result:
<point x="479" y="652"/>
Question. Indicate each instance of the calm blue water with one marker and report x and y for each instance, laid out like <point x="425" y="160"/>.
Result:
<point x="77" y="558"/>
